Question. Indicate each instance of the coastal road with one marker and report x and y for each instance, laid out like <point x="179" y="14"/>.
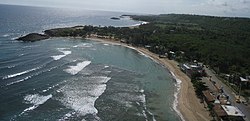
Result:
<point x="227" y="90"/>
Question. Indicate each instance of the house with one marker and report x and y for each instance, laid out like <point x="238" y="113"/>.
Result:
<point x="227" y="113"/>
<point x="209" y="98"/>
<point x="233" y="113"/>
<point x="171" y="55"/>
<point x="219" y="111"/>
<point x="193" y="70"/>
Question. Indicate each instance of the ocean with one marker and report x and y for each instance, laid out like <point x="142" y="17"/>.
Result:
<point x="77" y="79"/>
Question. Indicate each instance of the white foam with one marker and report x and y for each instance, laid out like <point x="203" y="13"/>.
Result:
<point x="145" y="115"/>
<point x="63" y="48"/>
<point x="31" y="46"/>
<point x="30" y="76"/>
<point x="6" y="35"/>
<point x="11" y="66"/>
<point x="21" y="80"/>
<point x="79" y="66"/>
<point x="142" y="99"/>
<point x="57" y="57"/>
<point x="132" y="48"/>
<point x="66" y="116"/>
<point x="175" y="104"/>
<point x="14" y="38"/>
<point x="20" y="73"/>
<point x="153" y="117"/>
<point x="143" y="54"/>
<point x="84" y="45"/>
<point x="82" y="98"/>
<point x="142" y="23"/>
<point x="36" y="100"/>
<point x="20" y="55"/>
<point x="65" y="53"/>
<point x="49" y="88"/>
<point x="106" y="44"/>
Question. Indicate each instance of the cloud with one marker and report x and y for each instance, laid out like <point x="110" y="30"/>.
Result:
<point x="239" y="8"/>
<point x="205" y="7"/>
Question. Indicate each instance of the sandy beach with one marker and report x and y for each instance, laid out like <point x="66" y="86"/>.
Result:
<point x="188" y="107"/>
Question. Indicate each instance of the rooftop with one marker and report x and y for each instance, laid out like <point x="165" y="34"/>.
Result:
<point x="208" y="96"/>
<point x="232" y="111"/>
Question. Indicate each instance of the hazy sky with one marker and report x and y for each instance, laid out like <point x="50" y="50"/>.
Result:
<point x="206" y="7"/>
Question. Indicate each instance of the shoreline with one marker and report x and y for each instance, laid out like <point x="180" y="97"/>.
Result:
<point x="185" y="104"/>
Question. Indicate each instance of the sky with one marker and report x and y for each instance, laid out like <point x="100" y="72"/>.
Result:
<point x="232" y="8"/>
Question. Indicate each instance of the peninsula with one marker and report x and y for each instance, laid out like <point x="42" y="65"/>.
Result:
<point x="223" y="43"/>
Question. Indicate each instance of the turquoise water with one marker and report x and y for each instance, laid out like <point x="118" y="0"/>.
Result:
<point x="77" y="79"/>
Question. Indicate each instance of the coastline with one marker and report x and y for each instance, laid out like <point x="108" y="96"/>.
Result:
<point x="186" y="104"/>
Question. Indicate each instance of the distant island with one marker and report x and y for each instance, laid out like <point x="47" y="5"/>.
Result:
<point x="221" y="42"/>
<point x="115" y="18"/>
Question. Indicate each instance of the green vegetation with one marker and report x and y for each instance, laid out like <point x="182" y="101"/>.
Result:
<point x="199" y="87"/>
<point x="221" y="42"/>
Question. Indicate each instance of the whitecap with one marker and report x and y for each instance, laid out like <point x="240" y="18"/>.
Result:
<point x="6" y="35"/>
<point x="106" y="44"/>
<point x="57" y="57"/>
<point x="21" y="80"/>
<point x="65" y="53"/>
<point x="84" y="45"/>
<point x="36" y="100"/>
<point x="21" y="55"/>
<point x="31" y="46"/>
<point x="49" y="88"/>
<point x="20" y="73"/>
<point x="30" y="76"/>
<point x="79" y="66"/>
<point x="12" y="66"/>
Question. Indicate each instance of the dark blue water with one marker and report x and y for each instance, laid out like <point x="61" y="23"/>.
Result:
<point x="77" y="79"/>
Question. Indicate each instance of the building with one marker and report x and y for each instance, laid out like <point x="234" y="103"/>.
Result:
<point x="193" y="70"/>
<point x="232" y="113"/>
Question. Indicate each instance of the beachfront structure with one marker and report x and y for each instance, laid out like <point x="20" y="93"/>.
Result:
<point x="232" y="113"/>
<point x="208" y="96"/>
<point x="171" y="55"/>
<point x="227" y="113"/>
<point x="193" y="70"/>
<point x="221" y="107"/>
<point x="244" y="80"/>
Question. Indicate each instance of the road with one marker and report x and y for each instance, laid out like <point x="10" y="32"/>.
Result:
<point x="227" y="90"/>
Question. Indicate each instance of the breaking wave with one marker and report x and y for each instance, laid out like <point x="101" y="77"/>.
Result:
<point x="5" y="35"/>
<point x="30" y="76"/>
<point x="175" y="104"/>
<point x="36" y="100"/>
<point x="84" y="45"/>
<point x="82" y="98"/>
<point x="21" y="73"/>
<point x="65" y="53"/>
<point x="79" y="66"/>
